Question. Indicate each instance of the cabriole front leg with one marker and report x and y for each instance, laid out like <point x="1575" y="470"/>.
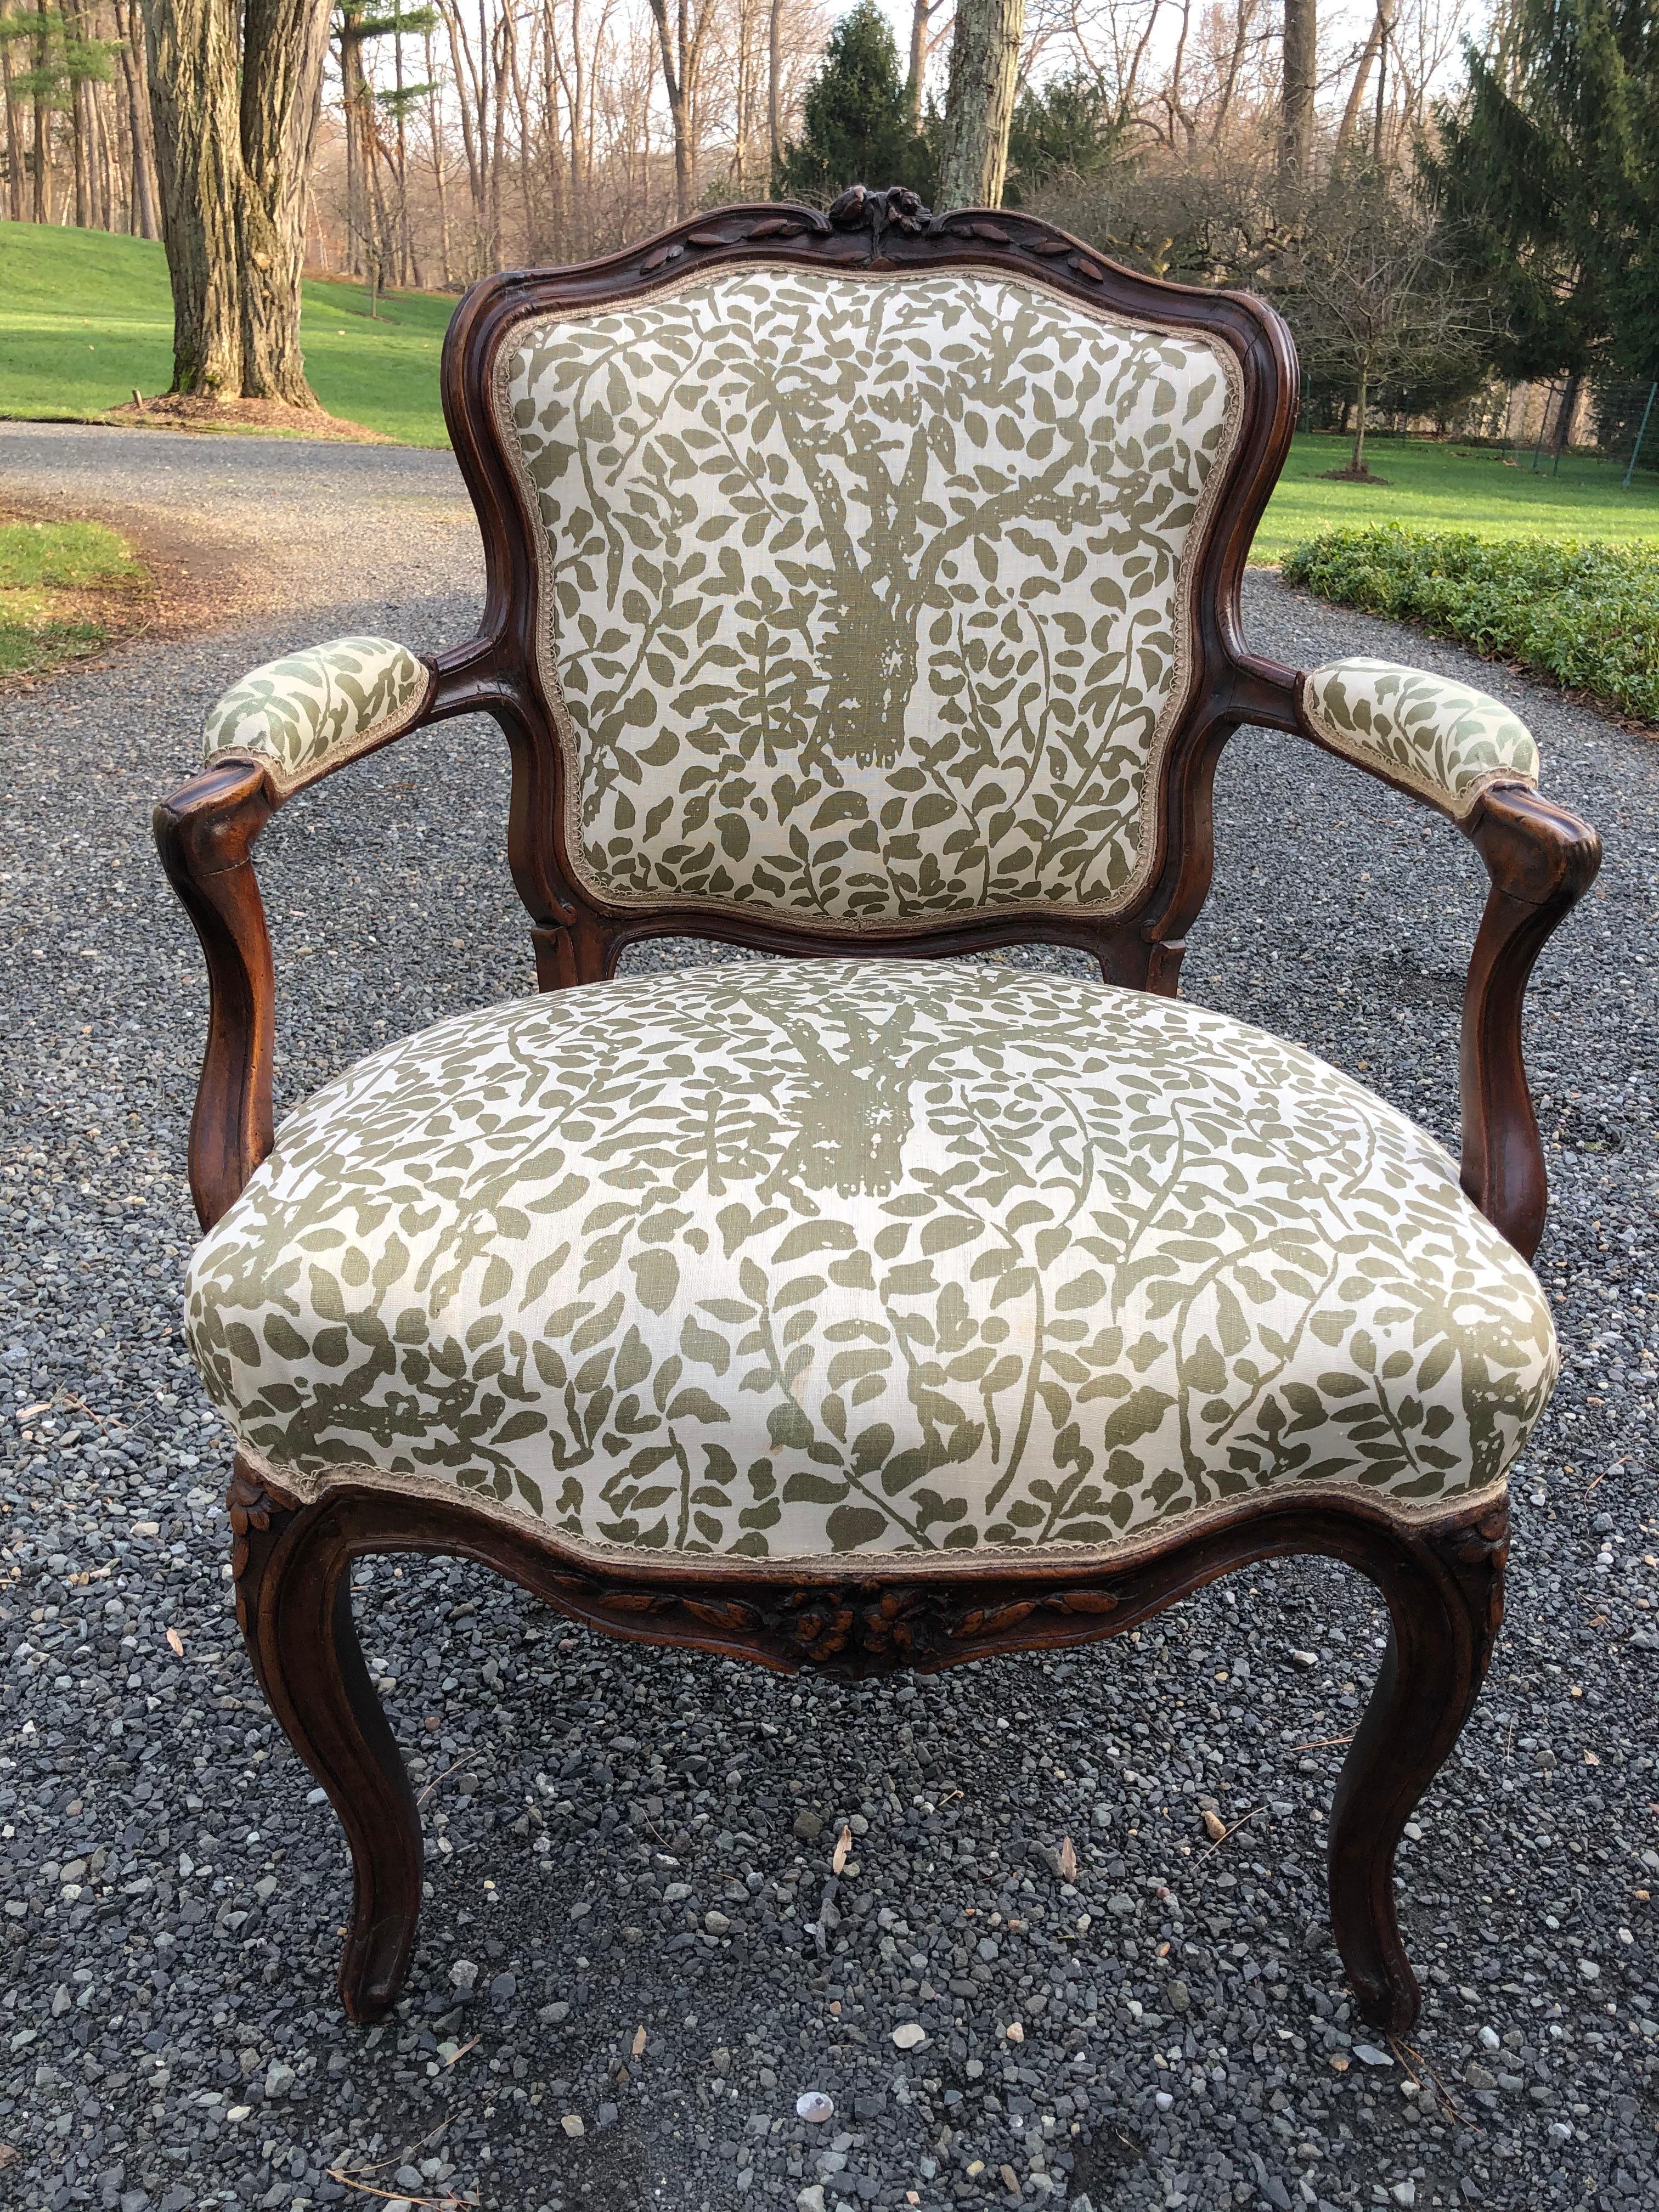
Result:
<point x="293" y="1567"/>
<point x="1445" y="1592"/>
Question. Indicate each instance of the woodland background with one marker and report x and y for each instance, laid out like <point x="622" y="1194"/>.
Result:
<point x="1450" y="203"/>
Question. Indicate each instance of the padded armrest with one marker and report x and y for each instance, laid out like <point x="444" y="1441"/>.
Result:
<point x="1441" y="739"/>
<point x="301" y="716"/>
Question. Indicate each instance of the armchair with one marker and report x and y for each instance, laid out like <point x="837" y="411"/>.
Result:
<point x="865" y="588"/>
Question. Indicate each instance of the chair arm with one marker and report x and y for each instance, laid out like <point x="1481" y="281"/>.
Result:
<point x="205" y="835"/>
<point x="1470" y="757"/>
<point x="302" y="716"/>
<point x="1540" y="860"/>
<point x="1441" y="740"/>
<point x="280" y="728"/>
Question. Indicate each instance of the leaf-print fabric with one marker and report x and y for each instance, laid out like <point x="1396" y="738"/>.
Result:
<point x="864" y="598"/>
<point x="304" y="714"/>
<point x="800" y="1258"/>
<point x="1442" y="738"/>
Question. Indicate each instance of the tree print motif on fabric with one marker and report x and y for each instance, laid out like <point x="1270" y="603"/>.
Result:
<point x="309" y="713"/>
<point x="794" y="1258"/>
<point x="1444" y="739"/>
<point x="864" y="598"/>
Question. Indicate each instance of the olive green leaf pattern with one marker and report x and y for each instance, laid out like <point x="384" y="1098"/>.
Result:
<point x="864" y="598"/>
<point x="1441" y="738"/>
<point x="795" y="1258"/>
<point x="304" y="714"/>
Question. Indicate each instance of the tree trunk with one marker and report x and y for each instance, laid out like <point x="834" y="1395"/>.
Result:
<point x="103" y="126"/>
<point x="80" y="134"/>
<point x="497" y="132"/>
<point x="674" y="85"/>
<point x="775" y="86"/>
<point x="234" y="119"/>
<point x="1562" y="429"/>
<point x="193" y="64"/>
<point x="284" y="42"/>
<point x="42" y="119"/>
<point x="1382" y="23"/>
<point x="979" y="105"/>
<point x="921" y="14"/>
<point x="1358" y="465"/>
<point x="434" y="140"/>
<point x="142" y="199"/>
<point x="405" y="243"/>
<point x="16" y="160"/>
<point x="1301" y="76"/>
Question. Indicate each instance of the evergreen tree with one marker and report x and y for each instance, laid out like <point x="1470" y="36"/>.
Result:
<point x="1547" y="177"/>
<point x="1070" y="127"/>
<point x="856" y="126"/>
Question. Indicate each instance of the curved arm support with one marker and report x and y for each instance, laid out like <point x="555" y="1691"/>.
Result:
<point x="1541" y="861"/>
<point x="205" y="834"/>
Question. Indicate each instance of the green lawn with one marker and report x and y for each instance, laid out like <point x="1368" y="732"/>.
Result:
<point x="64" y="588"/>
<point x="1450" y="487"/>
<point x="85" y="317"/>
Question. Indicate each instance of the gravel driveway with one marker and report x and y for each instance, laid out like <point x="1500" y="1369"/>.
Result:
<point x="625" y="1840"/>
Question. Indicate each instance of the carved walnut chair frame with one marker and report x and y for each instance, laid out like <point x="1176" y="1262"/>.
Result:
<point x="1441" y="1579"/>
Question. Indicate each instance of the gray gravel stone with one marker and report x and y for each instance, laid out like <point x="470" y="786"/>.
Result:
<point x="173" y="1886"/>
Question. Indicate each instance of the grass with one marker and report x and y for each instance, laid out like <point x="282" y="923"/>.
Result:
<point x="1586" y="613"/>
<point x="1445" y="486"/>
<point x="65" y="588"/>
<point x="85" y="317"/>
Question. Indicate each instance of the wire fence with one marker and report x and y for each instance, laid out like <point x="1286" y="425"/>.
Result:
<point x="1589" y="429"/>
<point x="1604" y="424"/>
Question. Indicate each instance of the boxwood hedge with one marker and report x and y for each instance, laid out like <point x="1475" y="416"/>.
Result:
<point x="1585" y="613"/>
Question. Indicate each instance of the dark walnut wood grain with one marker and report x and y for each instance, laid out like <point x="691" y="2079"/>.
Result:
<point x="1442" y="1581"/>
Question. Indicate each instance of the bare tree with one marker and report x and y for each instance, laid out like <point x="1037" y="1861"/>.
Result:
<point x="1369" y="300"/>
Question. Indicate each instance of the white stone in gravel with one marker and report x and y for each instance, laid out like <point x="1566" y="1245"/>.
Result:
<point x="909" y="2034"/>
<point x="573" y="2124"/>
<point x="813" y="2104"/>
<point x="810" y="2199"/>
<point x="1489" y="2038"/>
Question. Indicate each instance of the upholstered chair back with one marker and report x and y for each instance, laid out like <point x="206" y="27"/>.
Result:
<point x="865" y="596"/>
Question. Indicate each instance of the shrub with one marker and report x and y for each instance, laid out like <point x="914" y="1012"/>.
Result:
<point x="1585" y="613"/>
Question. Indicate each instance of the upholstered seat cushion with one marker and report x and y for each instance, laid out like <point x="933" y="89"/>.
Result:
<point x="786" y="1259"/>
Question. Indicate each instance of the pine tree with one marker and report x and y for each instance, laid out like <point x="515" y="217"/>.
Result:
<point x="1547" y="177"/>
<point x="1069" y="127"/>
<point x="856" y="126"/>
